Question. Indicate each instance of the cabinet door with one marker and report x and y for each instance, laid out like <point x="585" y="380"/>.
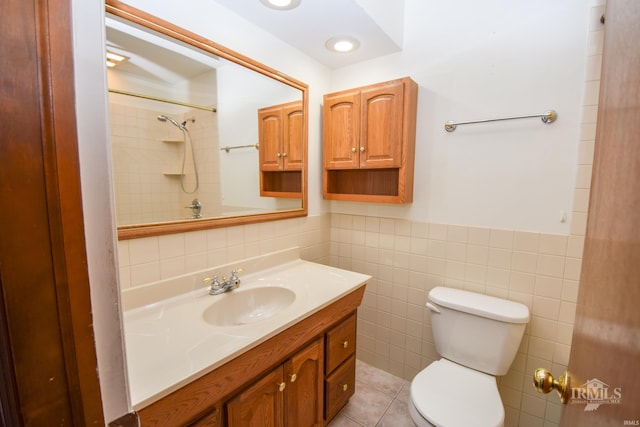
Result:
<point x="304" y="393"/>
<point x="261" y="405"/>
<point x="293" y="128"/>
<point x="341" y="130"/>
<point x="381" y="126"/>
<point x="270" y="138"/>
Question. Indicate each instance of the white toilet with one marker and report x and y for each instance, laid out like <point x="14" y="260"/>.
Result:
<point x="478" y="337"/>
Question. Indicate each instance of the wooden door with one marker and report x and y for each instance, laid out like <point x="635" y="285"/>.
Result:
<point x="48" y="366"/>
<point x="304" y="393"/>
<point x="260" y="405"/>
<point x="605" y="350"/>
<point x="293" y="134"/>
<point x="270" y="138"/>
<point x="341" y="130"/>
<point x="381" y="121"/>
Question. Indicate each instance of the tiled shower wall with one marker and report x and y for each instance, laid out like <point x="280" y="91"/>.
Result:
<point x="147" y="159"/>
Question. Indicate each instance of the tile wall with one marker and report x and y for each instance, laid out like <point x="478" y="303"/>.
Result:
<point x="408" y="258"/>
<point x="147" y="159"/>
<point x="149" y="259"/>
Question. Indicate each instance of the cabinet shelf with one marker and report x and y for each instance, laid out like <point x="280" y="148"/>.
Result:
<point x="368" y="185"/>
<point x="286" y="184"/>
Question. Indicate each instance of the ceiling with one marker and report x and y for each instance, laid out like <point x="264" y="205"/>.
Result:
<point x="313" y="22"/>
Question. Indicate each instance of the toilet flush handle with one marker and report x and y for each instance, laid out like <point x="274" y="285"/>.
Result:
<point x="433" y="308"/>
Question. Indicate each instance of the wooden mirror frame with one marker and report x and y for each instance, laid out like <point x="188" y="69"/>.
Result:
<point x="139" y="17"/>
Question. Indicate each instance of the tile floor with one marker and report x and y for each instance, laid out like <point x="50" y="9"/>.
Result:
<point x="380" y="400"/>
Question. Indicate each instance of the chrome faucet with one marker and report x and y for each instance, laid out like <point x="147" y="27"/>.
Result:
<point x="218" y="287"/>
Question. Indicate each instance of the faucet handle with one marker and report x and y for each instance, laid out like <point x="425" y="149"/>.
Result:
<point x="234" y="279"/>
<point x="213" y="281"/>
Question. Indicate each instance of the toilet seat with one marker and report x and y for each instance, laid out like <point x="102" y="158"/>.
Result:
<point x="450" y="395"/>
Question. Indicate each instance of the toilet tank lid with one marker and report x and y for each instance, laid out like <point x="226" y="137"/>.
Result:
<point x="480" y="305"/>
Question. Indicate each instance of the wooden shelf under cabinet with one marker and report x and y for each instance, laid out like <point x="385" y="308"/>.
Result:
<point x="286" y="184"/>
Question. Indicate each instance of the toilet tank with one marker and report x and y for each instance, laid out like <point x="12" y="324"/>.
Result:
<point x="478" y="331"/>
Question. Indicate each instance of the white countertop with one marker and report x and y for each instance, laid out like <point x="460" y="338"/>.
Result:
<point x="169" y="344"/>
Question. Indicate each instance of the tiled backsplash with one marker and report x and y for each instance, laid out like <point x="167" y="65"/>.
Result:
<point x="151" y="259"/>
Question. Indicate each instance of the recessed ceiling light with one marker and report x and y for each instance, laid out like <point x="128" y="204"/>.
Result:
<point x="342" y="44"/>
<point x="281" y="4"/>
<point x="114" y="59"/>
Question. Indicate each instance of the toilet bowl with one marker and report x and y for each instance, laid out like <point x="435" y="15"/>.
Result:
<point x="477" y="337"/>
<point x="451" y="395"/>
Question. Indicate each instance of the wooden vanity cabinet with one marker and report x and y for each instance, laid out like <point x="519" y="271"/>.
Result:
<point x="262" y="404"/>
<point x="369" y="142"/>
<point x="281" y="149"/>
<point x="310" y="358"/>
<point x="290" y="395"/>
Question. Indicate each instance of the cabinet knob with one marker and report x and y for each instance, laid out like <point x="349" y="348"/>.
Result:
<point x="293" y="377"/>
<point x="345" y="387"/>
<point x="353" y="150"/>
<point x="284" y="154"/>
<point x="345" y="344"/>
<point x="278" y="155"/>
<point x="362" y="149"/>
<point x="281" y="386"/>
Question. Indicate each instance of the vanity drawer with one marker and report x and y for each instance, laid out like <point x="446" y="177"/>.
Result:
<point x="340" y="343"/>
<point x="339" y="387"/>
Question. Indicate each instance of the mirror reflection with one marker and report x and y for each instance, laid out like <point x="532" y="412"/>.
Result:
<point x="185" y="131"/>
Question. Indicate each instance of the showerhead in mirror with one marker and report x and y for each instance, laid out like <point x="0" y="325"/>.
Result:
<point x="173" y="121"/>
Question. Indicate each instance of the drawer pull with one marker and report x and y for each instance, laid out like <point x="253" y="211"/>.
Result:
<point x="345" y="344"/>
<point x="345" y="387"/>
<point x="281" y="386"/>
<point x="293" y="377"/>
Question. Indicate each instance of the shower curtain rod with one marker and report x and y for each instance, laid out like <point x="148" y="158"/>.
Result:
<point x="547" y="117"/>
<point x="153" y="98"/>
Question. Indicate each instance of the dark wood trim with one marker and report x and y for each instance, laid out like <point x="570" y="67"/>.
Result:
<point x="46" y="306"/>
<point x="603" y="345"/>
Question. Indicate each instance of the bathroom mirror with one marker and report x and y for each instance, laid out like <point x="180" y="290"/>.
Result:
<point x="186" y="132"/>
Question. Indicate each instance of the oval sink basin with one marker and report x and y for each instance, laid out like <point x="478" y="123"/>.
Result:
<point x="241" y="307"/>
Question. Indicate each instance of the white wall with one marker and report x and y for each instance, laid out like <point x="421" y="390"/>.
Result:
<point x="483" y="60"/>
<point x="97" y="199"/>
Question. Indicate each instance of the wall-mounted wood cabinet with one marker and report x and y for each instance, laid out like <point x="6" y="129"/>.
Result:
<point x="369" y="142"/>
<point x="281" y="135"/>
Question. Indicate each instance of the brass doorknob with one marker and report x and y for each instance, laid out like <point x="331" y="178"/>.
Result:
<point x="293" y="377"/>
<point x="544" y="382"/>
<point x="281" y="386"/>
